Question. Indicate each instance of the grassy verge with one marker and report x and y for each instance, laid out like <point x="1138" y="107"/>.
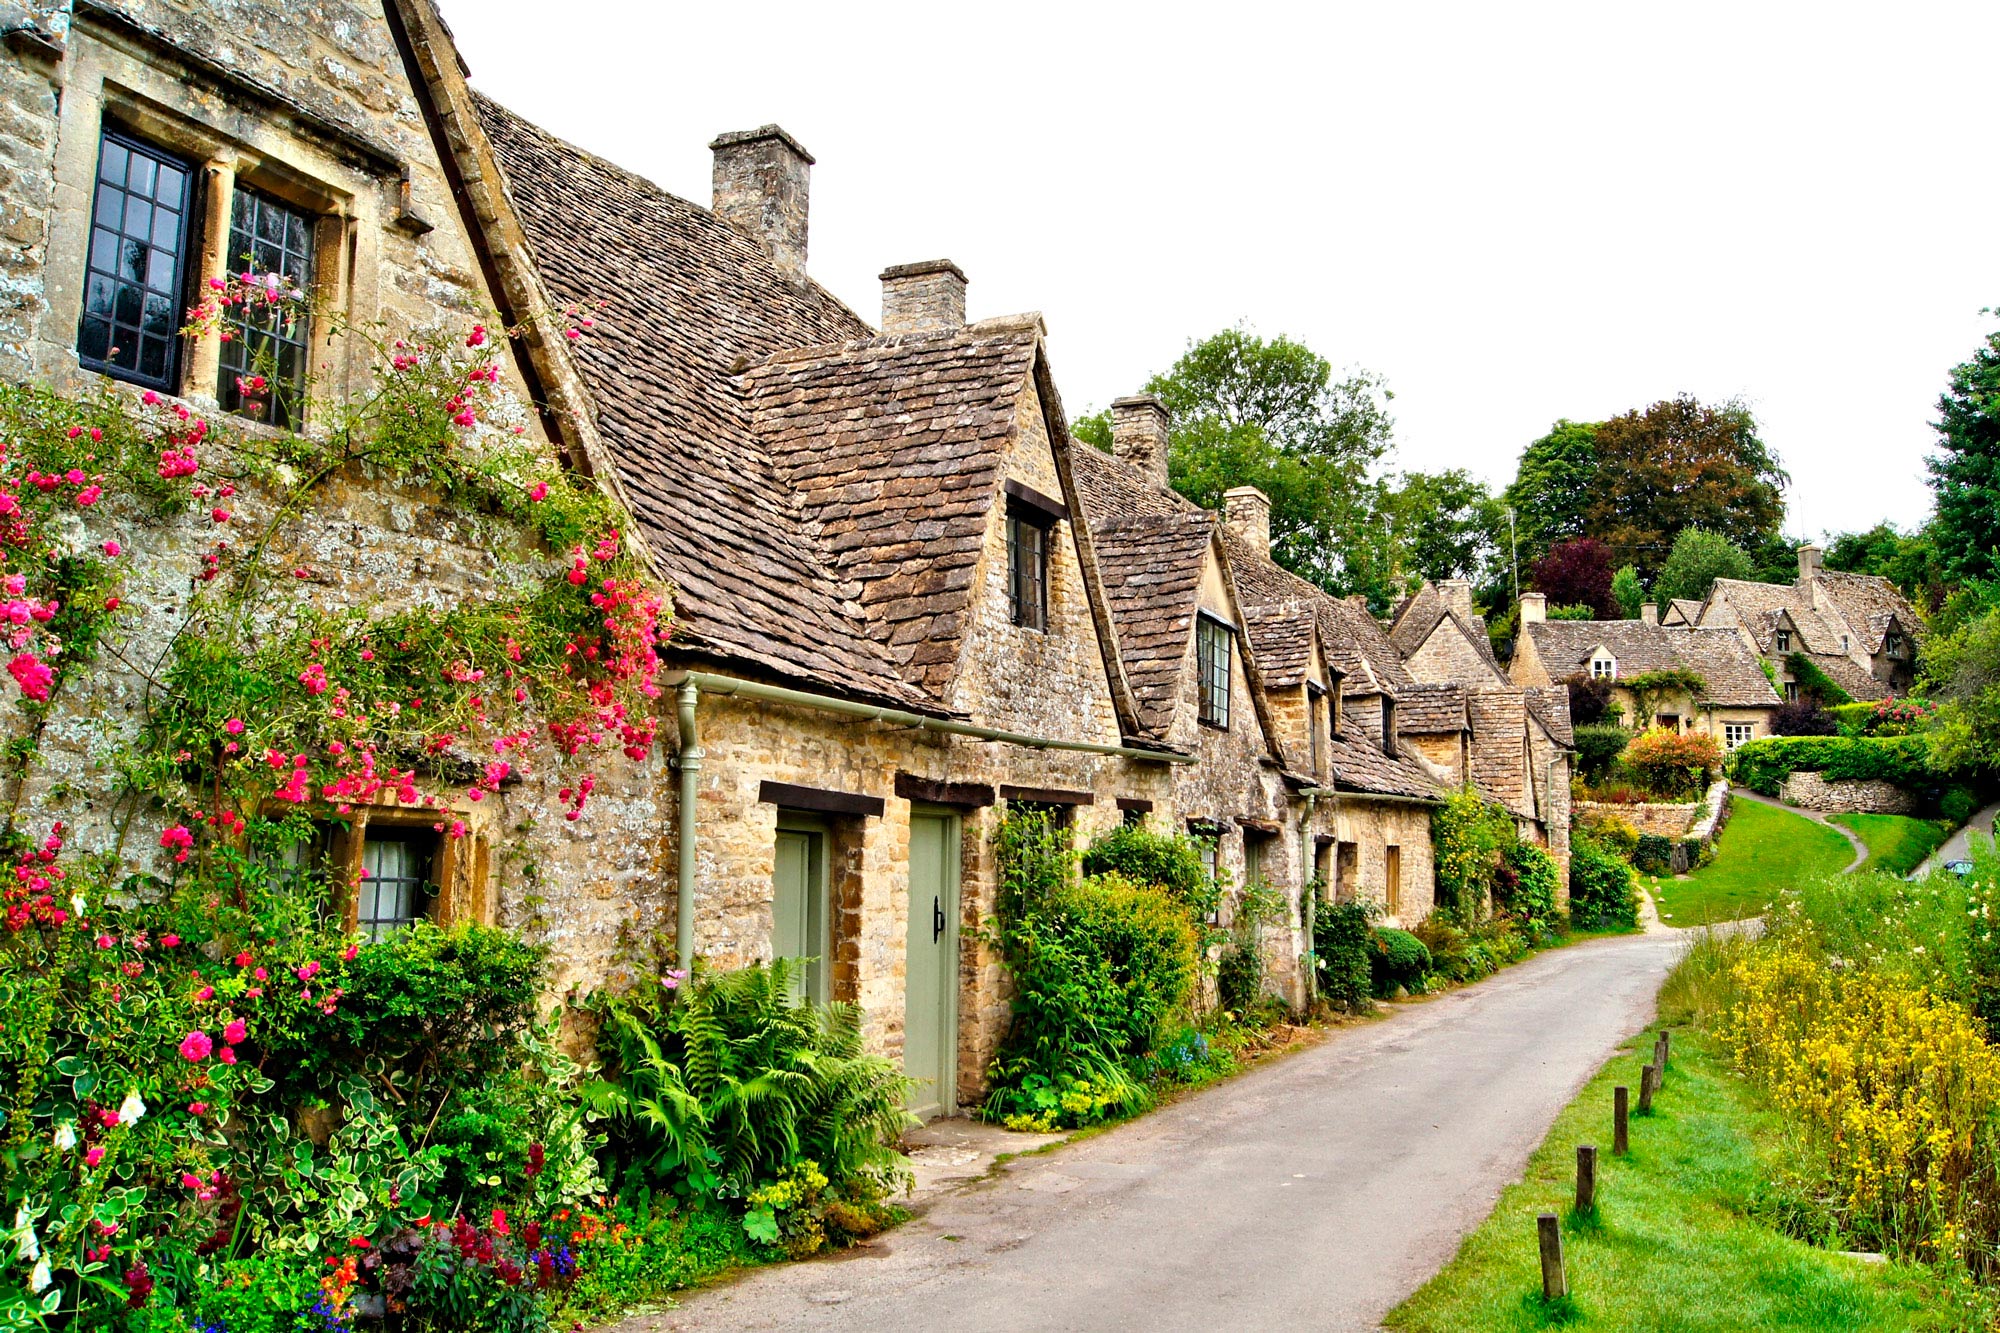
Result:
<point x="1897" y="844"/>
<point x="1675" y="1243"/>
<point x="1762" y="851"/>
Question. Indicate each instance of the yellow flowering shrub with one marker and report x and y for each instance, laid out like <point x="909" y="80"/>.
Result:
<point x="1892" y="1089"/>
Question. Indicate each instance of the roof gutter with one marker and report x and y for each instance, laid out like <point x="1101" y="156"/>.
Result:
<point x="689" y="686"/>
<point x="1372" y="796"/>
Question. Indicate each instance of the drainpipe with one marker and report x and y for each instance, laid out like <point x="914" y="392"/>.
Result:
<point x="690" y="762"/>
<point x="1309" y="910"/>
<point x="689" y="687"/>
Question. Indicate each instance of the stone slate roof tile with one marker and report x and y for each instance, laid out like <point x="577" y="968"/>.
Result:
<point x="1431" y="710"/>
<point x="1688" y="608"/>
<point x="1354" y="643"/>
<point x="1281" y="633"/>
<point x="694" y="302"/>
<point x="1415" y="617"/>
<point x="1499" y="736"/>
<point x="1723" y="661"/>
<point x="1359" y="765"/>
<point x="1549" y="705"/>
<point x="887" y="444"/>
<point x="1870" y="603"/>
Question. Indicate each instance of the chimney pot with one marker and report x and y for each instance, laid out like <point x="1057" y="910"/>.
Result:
<point x="1534" y="608"/>
<point x="762" y="186"/>
<point x="927" y="295"/>
<point x="1139" y="435"/>
<point x="1649" y="612"/>
<point x="1809" y="562"/>
<point x="1247" y="511"/>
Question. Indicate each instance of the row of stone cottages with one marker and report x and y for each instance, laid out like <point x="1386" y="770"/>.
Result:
<point x="905" y="596"/>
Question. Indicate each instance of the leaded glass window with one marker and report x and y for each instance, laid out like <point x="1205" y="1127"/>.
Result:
<point x="395" y="879"/>
<point x="1213" y="649"/>
<point x="1028" y="570"/>
<point x="135" y="270"/>
<point x="264" y="365"/>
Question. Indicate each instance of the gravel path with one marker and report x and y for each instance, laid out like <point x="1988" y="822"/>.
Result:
<point x="1314" y="1192"/>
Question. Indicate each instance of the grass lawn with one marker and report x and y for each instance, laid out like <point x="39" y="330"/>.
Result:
<point x="1762" y="850"/>
<point x="1673" y="1245"/>
<point x="1897" y="844"/>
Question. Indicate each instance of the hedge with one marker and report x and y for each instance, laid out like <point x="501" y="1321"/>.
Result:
<point x="1813" y="681"/>
<point x="1763" y="765"/>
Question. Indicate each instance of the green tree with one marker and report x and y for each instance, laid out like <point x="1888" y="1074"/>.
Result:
<point x="1962" y="673"/>
<point x="1699" y="558"/>
<point x="1965" y="472"/>
<point x="1682" y="464"/>
<point x="1552" y="487"/>
<point x="1248" y="411"/>
<point x="1629" y="591"/>
<point x="1447" y="525"/>
<point x="1912" y="562"/>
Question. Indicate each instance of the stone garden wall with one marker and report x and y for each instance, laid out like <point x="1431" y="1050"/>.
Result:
<point x="1810" y="791"/>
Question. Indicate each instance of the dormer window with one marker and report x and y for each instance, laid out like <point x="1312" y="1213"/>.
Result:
<point x="1784" y="641"/>
<point x="1603" y="666"/>
<point x="1214" y="653"/>
<point x="1843" y="644"/>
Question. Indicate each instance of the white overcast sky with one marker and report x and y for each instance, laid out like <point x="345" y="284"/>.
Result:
<point x="1514" y="212"/>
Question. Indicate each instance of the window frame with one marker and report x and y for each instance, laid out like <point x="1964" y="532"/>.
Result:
<point x="1608" y="665"/>
<point x="1028" y="591"/>
<point x="293" y="399"/>
<point x="1783" y="640"/>
<point x="172" y="378"/>
<point x="424" y="891"/>
<point x="1215" y="665"/>
<point x="1730" y="730"/>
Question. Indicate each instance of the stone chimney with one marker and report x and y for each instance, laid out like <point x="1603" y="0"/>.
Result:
<point x="1247" y="511"/>
<point x="762" y="180"/>
<point x="926" y="295"/>
<point x="1139" y="435"/>
<point x="1649" y="612"/>
<point x="1457" y="595"/>
<point x="1534" y="608"/>
<point x="1809" y="562"/>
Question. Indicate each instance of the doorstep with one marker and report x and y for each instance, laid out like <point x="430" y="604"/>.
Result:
<point x="951" y="1152"/>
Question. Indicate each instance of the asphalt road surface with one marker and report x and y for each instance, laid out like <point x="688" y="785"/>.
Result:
<point x="1315" y="1192"/>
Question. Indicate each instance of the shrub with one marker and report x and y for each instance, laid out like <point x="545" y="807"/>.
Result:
<point x="1698" y="558"/>
<point x="1397" y="958"/>
<point x="1164" y="860"/>
<point x="721" y="1082"/>
<point x="1763" y="765"/>
<point x="1598" y="746"/>
<point x="1468" y="836"/>
<point x="1590" y="701"/>
<point x="1958" y="804"/>
<point x="1804" y="717"/>
<point x="1572" y="613"/>
<point x="1615" y="833"/>
<point x="1341" y="938"/>
<point x="1854" y="719"/>
<point x="1653" y="855"/>
<point x="1239" y="977"/>
<point x="1532" y="898"/>
<point x="1601" y="891"/>
<point x="1671" y="764"/>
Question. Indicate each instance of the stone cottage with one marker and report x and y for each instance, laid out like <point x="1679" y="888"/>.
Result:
<point x="1856" y="628"/>
<point x="1734" y="703"/>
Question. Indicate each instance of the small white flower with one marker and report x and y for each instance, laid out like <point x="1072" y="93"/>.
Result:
<point x="131" y="1109"/>
<point x="65" y="1136"/>
<point x="39" y="1278"/>
<point x="77" y="904"/>
<point x="28" y="1245"/>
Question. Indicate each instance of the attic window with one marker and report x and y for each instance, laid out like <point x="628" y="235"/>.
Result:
<point x="1214" y="646"/>
<point x="1603" y="667"/>
<point x="1784" y="641"/>
<point x="1028" y="566"/>
<point x="1843" y="643"/>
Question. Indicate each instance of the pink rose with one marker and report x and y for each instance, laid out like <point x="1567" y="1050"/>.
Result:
<point x="196" y="1046"/>
<point x="93" y="1157"/>
<point x="236" y="1031"/>
<point x="308" y="970"/>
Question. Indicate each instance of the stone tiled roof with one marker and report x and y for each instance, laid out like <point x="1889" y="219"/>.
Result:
<point x="1499" y="737"/>
<point x="1687" y="608"/>
<point x="1353" y="642"/>
<point x="1870" y="603"/>
<point x="894" y="447"/>
<point x="1850" y="675"/>
<point x="1151" y="546"/>
<point x="1726" y="665"/>
<point x="1549" y="705"/>
<point x="1760" y="606"/>
<point x="1431" y="710"/>
<point x="1414" y="618"/>
<point x="1359" y="765"/>
<point x="694" y="304"/>
<point x="1282" y="635"/>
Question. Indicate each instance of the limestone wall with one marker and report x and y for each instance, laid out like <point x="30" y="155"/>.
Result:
<point x="1810" y="791"/>
<point x="1667" y="819"/>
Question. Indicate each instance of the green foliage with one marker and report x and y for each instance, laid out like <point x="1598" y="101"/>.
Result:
<point x="1397" y="960"/>
<point x="1913" y="562"/>
<point x="1673" y="765"/>
<point x="1700" y="557"/>
<point x="1682" y="464"/>
<point x="1962" y="672"/>
<point x="1763" y="765"/>
<point x="1602" y="893"/>
<point x="722" y="1082"/>
<point x="1814" y="682"/>
<point x="648" y="1254"/>
<point x="1958" y="804"/>
<point x="1468" y="838"/>
<point x="1572" y="613"/>
<point x="1854" y="719"/>
<point x="1653" y="854"/>
<point x="1965" y="472"/>
<point x="1630" y="592"/>
<point x="1531" y="896"/>
<point x="1598" y="747"/>
<point x="1652" y="688"/>
<point x="1168" y="861"/>
<point x="1446" y="525"/>
<point x="1460" y="954"/>
<point x="1552" y="487"/>
<point x="1341" y="937"/>
<point x="1248" y="411"/>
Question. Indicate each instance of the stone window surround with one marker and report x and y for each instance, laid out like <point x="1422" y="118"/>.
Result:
<point x="111" y="80"/>
<point x="460" y="867"/>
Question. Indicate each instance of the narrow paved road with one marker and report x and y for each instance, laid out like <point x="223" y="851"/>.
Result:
<point x="1315" y="1192"/>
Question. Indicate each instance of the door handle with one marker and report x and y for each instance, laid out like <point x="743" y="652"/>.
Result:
<point x="937" y="919"/>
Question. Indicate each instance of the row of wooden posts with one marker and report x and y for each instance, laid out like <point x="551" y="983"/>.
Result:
<point x="1555" y="1282"/>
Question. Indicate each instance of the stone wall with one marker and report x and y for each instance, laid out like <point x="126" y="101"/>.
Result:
<point x="1374" y="826"/>
<point x="1810" y="791"/>
<point x="1666" y="819"/>
<point x="1448" y="656"/>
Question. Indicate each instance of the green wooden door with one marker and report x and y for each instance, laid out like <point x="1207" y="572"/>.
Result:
<point x="930" y="1016"/>
<point x="799" y="908"/>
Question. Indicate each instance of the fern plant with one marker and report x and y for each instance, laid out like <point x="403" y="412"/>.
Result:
<point x="725" y="1081"/>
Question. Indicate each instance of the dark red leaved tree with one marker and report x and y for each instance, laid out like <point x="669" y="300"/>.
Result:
<point x="1578" y="573"/>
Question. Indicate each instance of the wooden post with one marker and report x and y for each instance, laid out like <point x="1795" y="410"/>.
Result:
<point x="1555" y="1285"/>
<point x="1646" y="1090"/>
<point x="1621" y="1102"/>
<point x="1660" y="1053"/>
<point x="1586" y="1180"/>
<point x="1666" y="1046"/>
